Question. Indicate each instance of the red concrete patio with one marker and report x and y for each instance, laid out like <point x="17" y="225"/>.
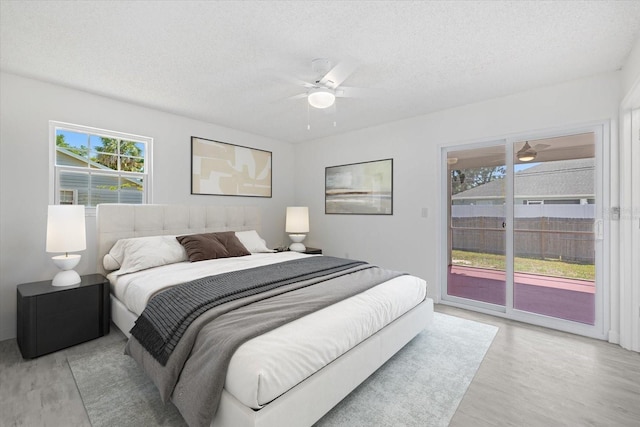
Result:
<point x="569" y="299"/>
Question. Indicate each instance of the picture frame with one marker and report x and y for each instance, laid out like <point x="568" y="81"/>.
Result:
<point x="223" y="169"/>
<point x="364" y="188"/>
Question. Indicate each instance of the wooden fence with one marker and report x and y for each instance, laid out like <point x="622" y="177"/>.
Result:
<point x="568" y="239"/>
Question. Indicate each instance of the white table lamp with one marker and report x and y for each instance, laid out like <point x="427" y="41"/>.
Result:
<point x="297" y="226"/>
<point x="66" y="233"/>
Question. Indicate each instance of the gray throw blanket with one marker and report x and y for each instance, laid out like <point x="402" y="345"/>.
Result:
<point x="195" y="373"/>
<point x="168" y="314"/>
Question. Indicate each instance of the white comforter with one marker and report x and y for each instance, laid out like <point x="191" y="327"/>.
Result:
<point x="269" y="365"/>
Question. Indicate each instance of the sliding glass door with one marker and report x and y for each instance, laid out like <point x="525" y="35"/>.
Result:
<point x="554" y="227"/>
<point x="523" y="236"/>
<point x="477" y="224"/>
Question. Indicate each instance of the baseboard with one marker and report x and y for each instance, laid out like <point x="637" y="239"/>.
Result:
<point x="7" y="334"/>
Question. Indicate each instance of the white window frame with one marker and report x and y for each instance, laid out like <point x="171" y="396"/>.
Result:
<point x="54" y="169"/>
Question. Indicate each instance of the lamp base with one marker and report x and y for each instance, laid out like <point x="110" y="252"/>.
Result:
<point x="298" y="247"/>
<point x="297" y="242"/>
<point x="66" y="278"/>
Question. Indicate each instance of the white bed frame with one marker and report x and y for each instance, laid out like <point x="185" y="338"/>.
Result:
<point x="307" y="402"/>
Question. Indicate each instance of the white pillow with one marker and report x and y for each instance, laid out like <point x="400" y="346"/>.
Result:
<point x="140" y="253"/>
<point x="110" y="263"/>
<point x="252" y="241"/>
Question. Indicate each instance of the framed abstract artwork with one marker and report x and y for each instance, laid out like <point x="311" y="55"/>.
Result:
<point x="222" y="169"/>
<point x="359" y="188"/>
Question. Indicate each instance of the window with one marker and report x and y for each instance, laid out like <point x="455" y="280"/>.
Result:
<point x="92" y="166"/>
<point x="68" y="197"/>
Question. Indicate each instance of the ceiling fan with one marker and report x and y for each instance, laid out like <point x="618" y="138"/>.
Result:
<point x="528" y="153"/>
<point x="495" y="156"/>
<point x="324" y="90"/>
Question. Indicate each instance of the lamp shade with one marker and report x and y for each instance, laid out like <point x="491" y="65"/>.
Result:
<point x="297" y="219"/>
<point x="321" y="97"/>
<point x="66" y="229"/>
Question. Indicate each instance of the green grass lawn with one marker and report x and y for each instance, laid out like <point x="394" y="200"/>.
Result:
<point x="553" y="268"/>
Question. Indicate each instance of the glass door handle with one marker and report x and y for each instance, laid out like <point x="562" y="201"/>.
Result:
<point x="598" y="229"/>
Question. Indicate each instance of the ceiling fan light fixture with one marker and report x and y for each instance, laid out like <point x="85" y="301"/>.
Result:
<point x="526" y="153"/>
<point x="321" y="97"/>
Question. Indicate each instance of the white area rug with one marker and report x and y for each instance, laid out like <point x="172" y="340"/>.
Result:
<point x="422" y="385"/>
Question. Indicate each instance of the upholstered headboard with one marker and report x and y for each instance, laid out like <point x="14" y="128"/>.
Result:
<point x="122" y="221"/>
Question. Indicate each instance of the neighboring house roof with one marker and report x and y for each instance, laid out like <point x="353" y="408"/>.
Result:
<point x="73" y="159"/>
<point x="77" y="160"/>
<point x="574" y="178"/>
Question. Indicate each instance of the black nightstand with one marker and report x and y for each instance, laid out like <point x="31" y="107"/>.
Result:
<point x="313" y="251"/>
<point x="51" y="318"/>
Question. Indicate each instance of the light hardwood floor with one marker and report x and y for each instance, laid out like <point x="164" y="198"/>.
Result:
<point x="531" y="376"/>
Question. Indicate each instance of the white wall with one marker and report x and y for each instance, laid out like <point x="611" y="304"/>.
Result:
<point x="407" y="241"/>
<point x="27" y="105"/>
<point x="627" y="293"/>
<point x="631" y="73"/>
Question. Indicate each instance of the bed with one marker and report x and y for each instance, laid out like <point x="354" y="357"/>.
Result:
<point x="291" y="402"/>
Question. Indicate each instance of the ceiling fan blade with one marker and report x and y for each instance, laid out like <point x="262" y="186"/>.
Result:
<point x="539" y="147"/>
<point x="338" y="74"/>
<point x="288" y="98"/>
<point x="357" y="92"/>
<point x="288" y="79"/>
<point x="302" y="83"/>
<point x="298" y="96"/>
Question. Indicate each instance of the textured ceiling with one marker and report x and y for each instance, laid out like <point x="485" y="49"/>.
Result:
<point x="228" y="62"/>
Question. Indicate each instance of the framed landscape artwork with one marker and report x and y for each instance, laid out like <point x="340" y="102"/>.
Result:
<point x="360" y="188"/>
<point x="218" y="168"/>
